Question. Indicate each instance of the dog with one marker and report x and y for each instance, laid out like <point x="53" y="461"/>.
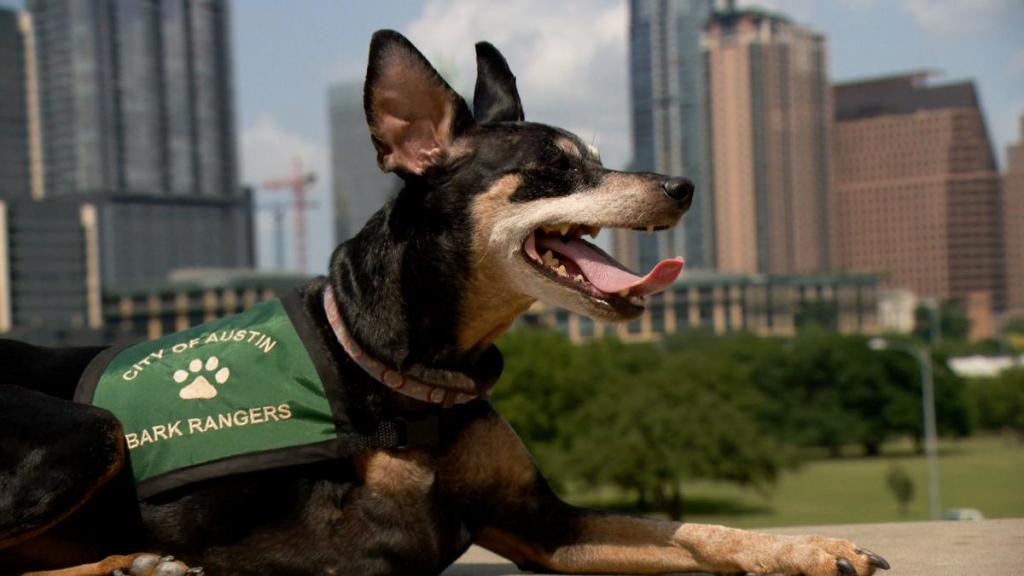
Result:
<point x="490" y="220"/>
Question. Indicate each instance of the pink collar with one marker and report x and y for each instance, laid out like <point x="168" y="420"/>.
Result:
<point x="458" y="388"/>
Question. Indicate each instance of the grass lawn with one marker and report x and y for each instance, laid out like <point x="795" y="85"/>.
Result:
<point x="984" y="472"/>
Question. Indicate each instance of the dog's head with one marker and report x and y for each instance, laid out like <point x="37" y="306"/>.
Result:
<point x="523" y="194"/>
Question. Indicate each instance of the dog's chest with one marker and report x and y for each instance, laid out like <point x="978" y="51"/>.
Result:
<point x="397" y="473"/>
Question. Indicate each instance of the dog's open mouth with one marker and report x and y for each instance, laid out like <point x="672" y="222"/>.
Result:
<point x="562" y="255"/>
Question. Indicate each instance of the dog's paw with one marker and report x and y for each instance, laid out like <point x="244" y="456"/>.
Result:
<point x="818" y="556"/>
<point x="153" y="565"/>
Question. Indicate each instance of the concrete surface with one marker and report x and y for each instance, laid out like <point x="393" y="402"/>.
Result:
<point x="984" y="548"/>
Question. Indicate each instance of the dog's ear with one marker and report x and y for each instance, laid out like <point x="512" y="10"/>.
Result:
<point x="413" y="114"/>
<point x="495" y="98"/>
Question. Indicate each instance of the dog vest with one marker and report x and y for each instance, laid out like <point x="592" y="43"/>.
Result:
<point x="241" y="393"/>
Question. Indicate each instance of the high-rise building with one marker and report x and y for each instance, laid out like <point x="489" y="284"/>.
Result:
<point x="137" y="117"/>
<point x="770" y="113"/>
<point x="916" y="192"/>
<point x="14" y="136"/>
<point x="360" y="188"/>
<point x="1013" y="219"/>
<point x="669" y="124"/>
<point x="136" y="96"/>
<point x="132" y="153"/>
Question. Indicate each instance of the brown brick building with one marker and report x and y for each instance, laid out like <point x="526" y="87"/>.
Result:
<point x="1013" y="218"/>
<point x="916" y="194"/>
<point x="770" y="109"/>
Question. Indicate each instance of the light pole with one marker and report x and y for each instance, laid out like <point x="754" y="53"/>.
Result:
<point x="931" y="445"/>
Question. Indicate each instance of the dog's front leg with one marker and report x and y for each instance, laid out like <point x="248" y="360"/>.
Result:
<point x="594" y="542"/>
<point x="522" y="519"/>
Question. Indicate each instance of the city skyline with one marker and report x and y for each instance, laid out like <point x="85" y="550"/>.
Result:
<point x="285" y="64"/>
<point x="571" y="62"/>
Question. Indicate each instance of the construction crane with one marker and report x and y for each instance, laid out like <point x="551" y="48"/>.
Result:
<point x="297" y="184"/>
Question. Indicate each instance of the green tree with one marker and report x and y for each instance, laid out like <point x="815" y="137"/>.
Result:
<point x="999" y="401"/>
<point x="953" y="322"/>
<point x="664" y="417"/>
<point x="901" y="485"/>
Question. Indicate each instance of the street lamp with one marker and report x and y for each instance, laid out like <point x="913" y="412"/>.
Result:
<point x="931" y="448"/>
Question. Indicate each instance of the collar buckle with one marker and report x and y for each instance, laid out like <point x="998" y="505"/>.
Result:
<point x="422" y="432"/>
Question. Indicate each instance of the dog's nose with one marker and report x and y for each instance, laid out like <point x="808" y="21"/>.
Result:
<point x="678" y="189"/>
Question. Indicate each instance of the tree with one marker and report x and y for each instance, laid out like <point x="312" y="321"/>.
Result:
<point x="659" y="419"/>
<point x="817" y="313"/>
<point x="953" y="322"/>
<point x="901" y="485"/>
<point x="999" y="401"/>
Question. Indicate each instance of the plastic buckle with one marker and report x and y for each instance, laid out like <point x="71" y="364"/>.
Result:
<point x="420" y="432"/>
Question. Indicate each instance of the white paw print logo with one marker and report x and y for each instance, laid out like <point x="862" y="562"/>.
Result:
<point x="200" y="387"/>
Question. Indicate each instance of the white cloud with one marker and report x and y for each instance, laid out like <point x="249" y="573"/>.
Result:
<point x="569" y="58"/>
<point x="269" y="152"/>
<point x="798" y="10"/>
<point x="957" y="17"/>
<point x="1015" y="67"/>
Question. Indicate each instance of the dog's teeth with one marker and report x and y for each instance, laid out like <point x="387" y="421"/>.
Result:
<point x="594" y="231"/>
<point x="561" y="271"/>
<point x="564" y="229"/>
<point x="624" y="293"/>
<point x="579" y="278"/>
<point x="650" y="229"/>
<point x="549" y="259"/>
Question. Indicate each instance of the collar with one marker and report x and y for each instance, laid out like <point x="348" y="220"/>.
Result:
<point x="433" y="386"/>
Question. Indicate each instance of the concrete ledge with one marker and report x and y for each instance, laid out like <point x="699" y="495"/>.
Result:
<point x="985" y="548"/>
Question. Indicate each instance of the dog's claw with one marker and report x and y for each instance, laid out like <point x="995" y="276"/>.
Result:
<point x="874" y="559"/>
<point x="845" y="567"/>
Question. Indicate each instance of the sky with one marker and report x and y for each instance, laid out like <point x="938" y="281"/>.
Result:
<point x="570" y="60"/>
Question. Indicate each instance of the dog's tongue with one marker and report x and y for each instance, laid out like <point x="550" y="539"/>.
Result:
<point x="606" y="273"/>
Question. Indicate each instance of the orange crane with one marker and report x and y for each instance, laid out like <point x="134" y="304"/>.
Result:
<point x="297" y="184"/>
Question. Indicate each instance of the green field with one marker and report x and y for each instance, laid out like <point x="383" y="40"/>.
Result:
<point x="984" y="472"/>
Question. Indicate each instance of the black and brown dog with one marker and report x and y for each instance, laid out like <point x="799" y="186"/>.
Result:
<point x="489" y="221"/>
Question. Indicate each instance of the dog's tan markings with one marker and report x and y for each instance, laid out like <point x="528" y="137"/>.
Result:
<point x="568" y="146"/>
<point x="488" y="461"/>
<point x="396" y="473"/>
<point x="621" y="544"/>
<point x="491" y="304"/>
<point x="101" y="568"/>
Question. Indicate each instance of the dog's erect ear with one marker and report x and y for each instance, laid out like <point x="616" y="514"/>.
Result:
<point x="413" y="114"/>
<point x="495" y="98"/>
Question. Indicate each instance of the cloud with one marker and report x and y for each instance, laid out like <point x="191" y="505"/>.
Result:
<point x="1015" y="66"/>
<point x="269" y="152"/>
<point x="798" y="10"/>
<point x="569" y="58"/>
<point x="957" y="17"/>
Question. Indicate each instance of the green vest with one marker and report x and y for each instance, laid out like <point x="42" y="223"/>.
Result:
<point x="237" y="394"/>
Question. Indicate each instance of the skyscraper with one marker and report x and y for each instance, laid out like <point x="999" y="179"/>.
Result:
<point x="1013" y="219"/>
<point x="132" y="163"/>
<point x="667" y="93"/>
<point x="137" y="116"/>
<point x="916" y="191"/>
<point x="770" y="113"/>
<point x="14" y="136"/>
<point x="136" y="96"/>
<point x="360" y="188"/>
